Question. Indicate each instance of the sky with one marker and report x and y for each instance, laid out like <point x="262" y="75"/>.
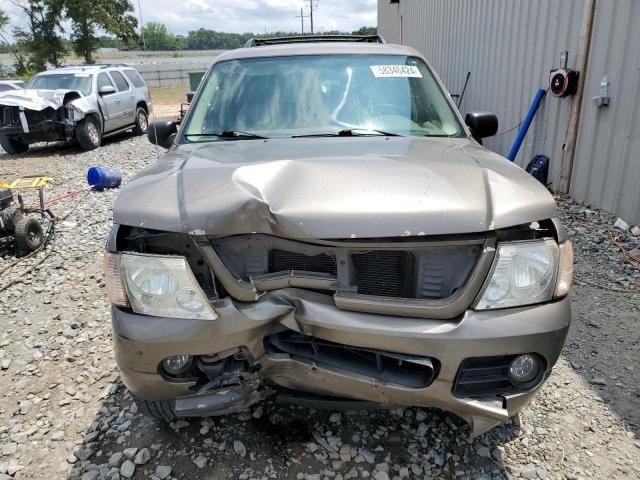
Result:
<point x="181" y="16"/>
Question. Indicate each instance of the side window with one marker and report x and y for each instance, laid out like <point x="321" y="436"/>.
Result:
<point x="121" y="83"/>
<point x="104" y="81"/>
<point x="134" y="78"/>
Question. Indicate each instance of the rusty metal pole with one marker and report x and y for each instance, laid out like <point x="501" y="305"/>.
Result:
<point x="569" y="151"/>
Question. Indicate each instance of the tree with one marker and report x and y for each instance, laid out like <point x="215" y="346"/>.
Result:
<point x="88" y="17"/>
<point x="366" y="31"/>
<point x="41" y="39"/>
<point x="157" y="37"/>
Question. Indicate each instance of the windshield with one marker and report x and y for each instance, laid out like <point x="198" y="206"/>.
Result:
<point x="65" y="81"/>
<point x="321" y="95"/>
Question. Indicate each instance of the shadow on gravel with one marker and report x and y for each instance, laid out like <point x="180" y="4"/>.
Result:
<point x="63" y="148"/>
<point x="277" y="441"/>
<point x="602" y="347"/>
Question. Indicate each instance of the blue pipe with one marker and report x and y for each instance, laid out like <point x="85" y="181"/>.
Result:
<point x="537" y="100"/>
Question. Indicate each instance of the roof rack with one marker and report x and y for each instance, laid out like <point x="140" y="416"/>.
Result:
<point x="259" y="42"/>
<point x="93" y="66"/>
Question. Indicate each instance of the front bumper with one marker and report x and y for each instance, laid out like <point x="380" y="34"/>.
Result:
<point x="142" y="342"/>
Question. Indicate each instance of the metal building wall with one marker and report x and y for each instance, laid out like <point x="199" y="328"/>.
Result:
<point x="606" y="168"/>
<point x="389" y="21"/>
<point x="508" y="46"/>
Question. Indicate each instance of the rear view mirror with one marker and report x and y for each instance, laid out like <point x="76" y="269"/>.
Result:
<point x="162" y="133"/>
<point x="482" y="124"/>
<point x="106" y="90"/>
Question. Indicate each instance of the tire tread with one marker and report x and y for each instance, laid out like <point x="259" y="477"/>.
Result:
<point x="159" y="409"/>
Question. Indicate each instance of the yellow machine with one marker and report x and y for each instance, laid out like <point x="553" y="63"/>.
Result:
<point x="28" y="182"/>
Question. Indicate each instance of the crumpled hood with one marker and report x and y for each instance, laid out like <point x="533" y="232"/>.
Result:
<point x="37" y="100"/>
<point x="333" y="188"/>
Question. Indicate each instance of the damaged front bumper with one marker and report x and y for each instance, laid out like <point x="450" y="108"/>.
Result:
<point x="142" y="342"/>
<point x="42" y="115"/>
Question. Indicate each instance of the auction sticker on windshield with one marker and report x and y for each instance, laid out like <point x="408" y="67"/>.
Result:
<point x="395" y="71"/>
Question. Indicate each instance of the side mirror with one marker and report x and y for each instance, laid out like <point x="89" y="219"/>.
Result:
<point x="190" y="96"/>
<point x="162" y="133"/>
<point x="106" y="90"/>
<point x="482" y="124"/>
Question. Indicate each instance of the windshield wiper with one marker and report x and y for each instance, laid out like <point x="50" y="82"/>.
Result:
<point x="228" y="134"/>
<point x="352" y="132"/>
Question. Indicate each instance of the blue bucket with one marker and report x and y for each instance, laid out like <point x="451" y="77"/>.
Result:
<point x="103" y="177"/>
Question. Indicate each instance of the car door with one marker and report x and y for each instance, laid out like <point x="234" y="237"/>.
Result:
<point x="126" y="100"/>
<point x="108" y="101"/>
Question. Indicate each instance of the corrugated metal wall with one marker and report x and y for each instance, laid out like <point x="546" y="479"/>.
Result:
<point x="606" y="169"/>
<point x="509" y="47"/>
<point x="389" y="21"/>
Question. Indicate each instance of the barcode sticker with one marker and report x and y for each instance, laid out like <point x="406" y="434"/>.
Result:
<point x="396" y="71"/>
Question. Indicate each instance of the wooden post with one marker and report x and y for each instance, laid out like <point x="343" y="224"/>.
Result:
<point x="569" y="151"/>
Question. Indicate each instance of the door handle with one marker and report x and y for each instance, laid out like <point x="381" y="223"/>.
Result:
<point x="118" y="102"/>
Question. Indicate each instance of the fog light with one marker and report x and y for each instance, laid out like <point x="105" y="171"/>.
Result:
<point x="524" y="369"/>
<point x="177" y="364"/>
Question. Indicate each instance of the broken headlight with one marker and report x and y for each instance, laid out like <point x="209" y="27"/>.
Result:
<point x="523" y="273"/>
<point x="156" y="285"/>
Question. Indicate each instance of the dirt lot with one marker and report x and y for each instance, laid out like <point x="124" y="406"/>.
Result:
<point x="65" y="415"/>
<point x="166" y="101"/>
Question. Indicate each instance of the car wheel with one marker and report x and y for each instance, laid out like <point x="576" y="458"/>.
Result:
<point x="159" y="409"/>
<point x="13" y="146"/>
<point x="142" y="122"/>
<point x="29" y="235"/>
<point x="88" y="134"/>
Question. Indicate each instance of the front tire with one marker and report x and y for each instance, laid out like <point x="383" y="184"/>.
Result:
<point x="88" y="134"/>
<point x="142" y="122"/>
<point x="29" y="235"/>
<point x="158" y="409"/>
<point x="13" y="146"/>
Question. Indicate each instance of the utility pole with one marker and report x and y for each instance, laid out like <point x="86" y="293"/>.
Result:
<point x="313" y="5"/>
<point x="302" y="16"/>
<point x="144" y="44"/>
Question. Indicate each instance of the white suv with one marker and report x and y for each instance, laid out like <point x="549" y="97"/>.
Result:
<point x="83" y="103"/>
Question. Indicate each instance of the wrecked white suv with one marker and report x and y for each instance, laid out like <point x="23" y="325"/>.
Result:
<point x="84" y="104"/>
<point x="326" y="228"/>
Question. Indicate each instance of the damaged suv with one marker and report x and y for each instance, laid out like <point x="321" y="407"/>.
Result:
<point x="83" y="104"/>
<point x="325" y="227"/>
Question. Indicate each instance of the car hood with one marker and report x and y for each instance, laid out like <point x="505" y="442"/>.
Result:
<point x="333" y="188"/>
<point x="38" y="100"/>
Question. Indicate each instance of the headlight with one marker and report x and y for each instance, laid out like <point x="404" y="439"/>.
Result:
<point x="161" y="286"/>
<point x="565" y="269"/>
<point x="524" y="273"/>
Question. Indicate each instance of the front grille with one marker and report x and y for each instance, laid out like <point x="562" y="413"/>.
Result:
<point x="388" y="367"/>
<point x="384" y="273"/>
<point x="422" y="270"/>
<point x="487" y="376"/>
<point x="280" y="260"/>
<point x="9" y="117"/>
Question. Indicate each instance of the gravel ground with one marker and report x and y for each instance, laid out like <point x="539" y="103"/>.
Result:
<point x="65" y="415"/>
